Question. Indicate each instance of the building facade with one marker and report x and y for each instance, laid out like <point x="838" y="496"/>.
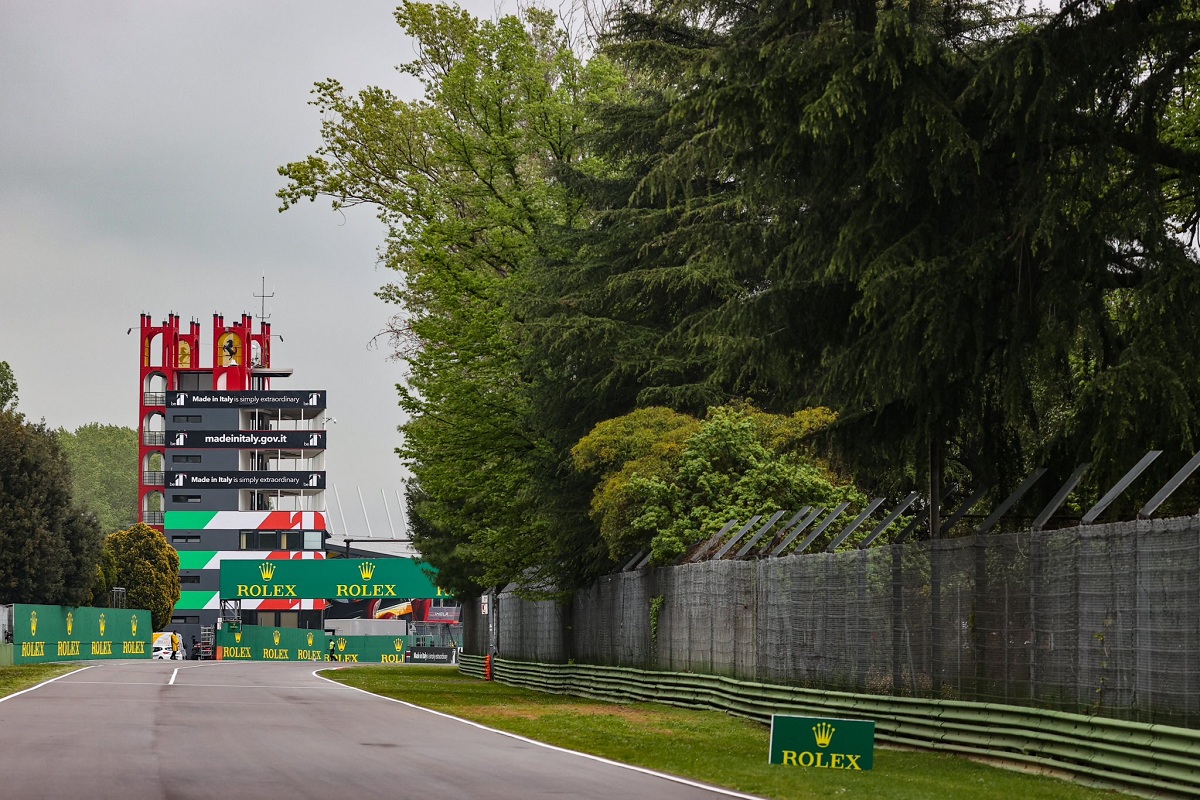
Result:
<point x="231" y="466"/>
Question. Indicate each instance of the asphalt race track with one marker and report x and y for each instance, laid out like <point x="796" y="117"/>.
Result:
<point x="245" y="730"/>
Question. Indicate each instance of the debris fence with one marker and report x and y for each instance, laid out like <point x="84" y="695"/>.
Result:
<point x="1100" y="619"/>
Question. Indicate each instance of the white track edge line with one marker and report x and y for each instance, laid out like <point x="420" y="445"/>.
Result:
<point x="589" y="756"/>
<point x="43" y="683"/>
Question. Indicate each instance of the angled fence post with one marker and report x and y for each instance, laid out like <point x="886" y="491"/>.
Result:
<point x="1011" y="500"/>
<point x="1095" y="511"/>
<point x="1046" y="513"/>
<point x="853" y="526"/>
<point x="791" y="537"/>
<point x="712" y="541"/>
<point x="1171" y="485"/>
<point x="833" y="515"/>
<point x="783" y="530"/>
<point x="892" y="516"/>
<point x="755" y="538"/>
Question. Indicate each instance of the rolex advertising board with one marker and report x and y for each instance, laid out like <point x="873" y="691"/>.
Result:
<point x="822" y="743"/>
<point x="247" y="440"/>
<point x="246" y="480"/>
<point x="328" y="579"/>
<point x="62" y="633"/>
<point x="258" y="643"/>
<point x="369" y="649"/>
<point x="248" y="399"/>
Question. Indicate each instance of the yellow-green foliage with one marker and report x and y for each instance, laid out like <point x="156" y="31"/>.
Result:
<point x="644" y="444"/>
<point x="148" y="568"/>
<point x="667" y="480"/>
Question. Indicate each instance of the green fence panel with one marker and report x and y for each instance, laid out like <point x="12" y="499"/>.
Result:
<point x="60" y="633"/>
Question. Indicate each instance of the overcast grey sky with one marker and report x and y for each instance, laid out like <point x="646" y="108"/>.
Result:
<point x="140" y="141"/>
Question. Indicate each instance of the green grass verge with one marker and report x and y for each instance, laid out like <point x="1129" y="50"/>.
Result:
<point x="14" y="679"/>
<point x="706" y="746"/>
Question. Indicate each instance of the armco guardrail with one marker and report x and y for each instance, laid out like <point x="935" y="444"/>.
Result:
<point x="1147" y="758"/>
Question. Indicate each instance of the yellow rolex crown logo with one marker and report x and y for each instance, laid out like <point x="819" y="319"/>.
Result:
<point x="275" y="637"/>
<point x="33" y="623"/>
<point x="70" y="622"/>
<point x="267" y="570"/>
<point x="824" y="732"/>
<point x="366" y="569"/>
<point x="102" y="624"/>
<point x="341" y="645"/>
<point x="399" y="643"/>
<point x="310" y="638"/>
<point x="133" y="625"/>
<point x="237" y="637"/>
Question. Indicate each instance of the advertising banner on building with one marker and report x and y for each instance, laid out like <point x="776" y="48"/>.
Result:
<point x="247" y="440"/>
<point x="247" y="399"/>
<point x="330" y="579"/>
<point x="63" y="633"/>
<point x="246" y="480"/>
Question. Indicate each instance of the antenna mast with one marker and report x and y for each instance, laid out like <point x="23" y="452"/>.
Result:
<point x="263" y="316"/>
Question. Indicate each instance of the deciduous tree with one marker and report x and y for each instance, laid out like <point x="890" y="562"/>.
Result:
<point x="148" y="569"/>
<point x="463" y="178"/>
<point x="103" y="462"/>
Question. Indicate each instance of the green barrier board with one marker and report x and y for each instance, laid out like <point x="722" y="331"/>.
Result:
<point x="370" y="649"/>
<point x="60" y="633"/>
<point x="326" y="579"/>
<point x="258" y="643"/>
<point x="822" y="743"/>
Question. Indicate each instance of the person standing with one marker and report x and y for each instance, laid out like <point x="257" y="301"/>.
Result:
<point x="176" y="643"/>
<point x="332" y="650"/>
